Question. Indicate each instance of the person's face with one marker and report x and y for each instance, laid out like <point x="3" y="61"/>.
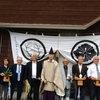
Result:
<point x="51" y="56"/>
<point x="96" y="60"/>
<point x="5" y="62"/>
<point x="34" y="58"/>
<point x="80" y="60"/>
<point x="19" y="61"/>
<point x="65" y="62"/>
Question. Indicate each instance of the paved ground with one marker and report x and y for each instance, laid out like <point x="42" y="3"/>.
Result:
<point x="41" y="96"/>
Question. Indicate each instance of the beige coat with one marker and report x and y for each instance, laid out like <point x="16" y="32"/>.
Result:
<point x="51" y="73"/>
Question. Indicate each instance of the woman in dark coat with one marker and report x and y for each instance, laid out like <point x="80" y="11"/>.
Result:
<point x="3" y="85"/>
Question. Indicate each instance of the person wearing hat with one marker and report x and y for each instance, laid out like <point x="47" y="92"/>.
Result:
<point x="51" y="77"/>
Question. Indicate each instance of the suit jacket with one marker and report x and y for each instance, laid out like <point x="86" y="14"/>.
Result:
<point x="67" y="83"/>
<point x="14" y="74"/>
<point x="28" y="71"/>
<point x="76" y="72"/>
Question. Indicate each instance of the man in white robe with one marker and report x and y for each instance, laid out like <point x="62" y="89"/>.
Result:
<point x="52" y="78"/>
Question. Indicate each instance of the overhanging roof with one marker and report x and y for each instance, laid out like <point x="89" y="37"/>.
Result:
<point x="49" y="26"/>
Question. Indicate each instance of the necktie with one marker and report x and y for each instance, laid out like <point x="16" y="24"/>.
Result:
<point x="98" y="73"/>
<point x="18" y="77"/>
<point x="65" y="72"/>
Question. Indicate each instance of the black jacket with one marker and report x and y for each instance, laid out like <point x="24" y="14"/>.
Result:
<point x="28" y="71"/>
<point x="75" y="70"/>
<point x="14" y="74"/>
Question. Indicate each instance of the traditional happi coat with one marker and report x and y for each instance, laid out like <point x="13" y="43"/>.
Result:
<point x="51" y="73"/>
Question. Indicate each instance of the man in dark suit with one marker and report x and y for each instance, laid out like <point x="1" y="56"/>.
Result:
<point x="32" y="75"/>
<point x="17" y="78"/>
<point x="79" y="71"/>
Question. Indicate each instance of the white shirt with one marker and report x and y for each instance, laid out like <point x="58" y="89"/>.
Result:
<point x="92" y="71"/>
<point x="34" y="64"/>
<point x="17" y="70"/>
<point x="52" y="60"/>
<point x="80" y="67"/>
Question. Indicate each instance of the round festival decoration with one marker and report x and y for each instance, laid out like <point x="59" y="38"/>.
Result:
<point x="30" y="46"/>
<point x="86" y="48"/>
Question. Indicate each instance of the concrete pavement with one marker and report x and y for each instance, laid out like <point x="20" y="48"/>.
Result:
<point x="41" y="97"/>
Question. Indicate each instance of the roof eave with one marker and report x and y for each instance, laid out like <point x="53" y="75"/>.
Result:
<point x="49" y="26"/>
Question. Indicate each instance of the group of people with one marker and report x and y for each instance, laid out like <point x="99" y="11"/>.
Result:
<point x="50" y="78"/>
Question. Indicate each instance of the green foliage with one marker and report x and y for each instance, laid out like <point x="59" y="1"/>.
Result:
<point x="8" y="72"/>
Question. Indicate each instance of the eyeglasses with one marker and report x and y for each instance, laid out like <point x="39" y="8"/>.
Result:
<point x="96" y="59"/>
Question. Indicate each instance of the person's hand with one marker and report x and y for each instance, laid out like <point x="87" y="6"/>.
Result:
<point x="75" y="78"/>
<point x="39" y="78"/>
<point x="92" y="78"/>
<point x="2" y="74"/>
<point x="26" y="80"/>
<point x="45" y="81"/>
<point x="84" y="78"/>
<point x="68" y="78"/>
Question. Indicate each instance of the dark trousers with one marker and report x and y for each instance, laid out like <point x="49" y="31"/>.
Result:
<point x="34" y="89"/>
<point x="49" y="95"/>
<point x="3" y="87"/>
<point x="94" y="91"/>
<point x="82" y="91"/>
<point x="19" y="89"/>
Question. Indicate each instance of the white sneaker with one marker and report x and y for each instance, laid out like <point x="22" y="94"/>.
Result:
<point x="67" y="98"/>
<point x="61" y="98"/>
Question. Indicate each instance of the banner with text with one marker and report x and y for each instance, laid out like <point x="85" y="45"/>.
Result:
<point x="24" y="45"/>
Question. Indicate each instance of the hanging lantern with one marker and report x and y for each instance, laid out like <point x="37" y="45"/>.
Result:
<point x="57" y="54"/>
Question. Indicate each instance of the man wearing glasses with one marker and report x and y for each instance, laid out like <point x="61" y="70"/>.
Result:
<point x="94" y="73"/>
